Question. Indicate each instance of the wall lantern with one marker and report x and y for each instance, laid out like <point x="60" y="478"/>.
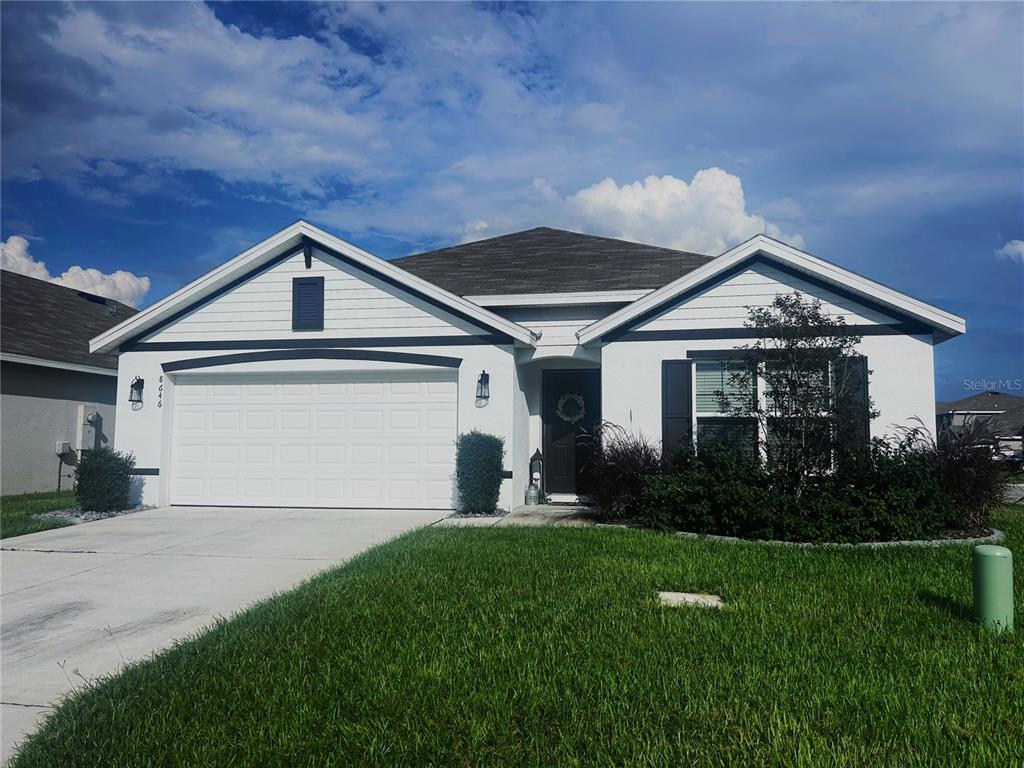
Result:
<point x="483" y="389"/>
<point x="135" y="395"/>
<point x="534" y="492"/>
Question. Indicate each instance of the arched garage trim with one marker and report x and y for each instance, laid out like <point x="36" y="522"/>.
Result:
<point x="193" y="363"/>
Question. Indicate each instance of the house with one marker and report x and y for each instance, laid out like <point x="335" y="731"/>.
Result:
<point x="56" y="399"/>
<point x="1000" y="412"/>
<point x="307" y="372"/>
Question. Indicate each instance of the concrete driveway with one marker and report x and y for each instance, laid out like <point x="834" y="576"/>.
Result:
<point x="79" y="602"/>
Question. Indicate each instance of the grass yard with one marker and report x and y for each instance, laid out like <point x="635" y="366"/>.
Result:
<point x="522" y="647"/>
<point x="16" y="512"/>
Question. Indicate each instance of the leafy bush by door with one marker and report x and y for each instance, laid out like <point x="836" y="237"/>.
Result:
<point x="478" y="466"/>
<point x="103" y="480"/>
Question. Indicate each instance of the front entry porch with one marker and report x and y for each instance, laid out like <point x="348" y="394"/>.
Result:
<point x="563" y="398"/>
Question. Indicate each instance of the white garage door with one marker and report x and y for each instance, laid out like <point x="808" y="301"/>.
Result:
<point x="315" y="440"/>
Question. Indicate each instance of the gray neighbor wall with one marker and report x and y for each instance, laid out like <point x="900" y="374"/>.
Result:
<point x="38" y="407"/>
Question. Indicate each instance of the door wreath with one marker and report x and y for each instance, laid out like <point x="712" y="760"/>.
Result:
<point x="574" y="414"/>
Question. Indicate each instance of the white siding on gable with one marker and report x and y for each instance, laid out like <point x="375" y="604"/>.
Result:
<point x="724" y="304"/>
<point x="557" y="325"/>
<point x="356" y="305"/>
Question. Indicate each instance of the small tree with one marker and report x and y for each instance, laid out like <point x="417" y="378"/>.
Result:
<point x="814" y="409"/>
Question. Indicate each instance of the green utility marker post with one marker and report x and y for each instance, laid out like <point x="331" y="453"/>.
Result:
<point x="993" y="587"/>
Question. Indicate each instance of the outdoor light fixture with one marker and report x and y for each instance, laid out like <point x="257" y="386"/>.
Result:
<point x="533" y="491"/>
<point x="483" y="389"/>
<point x="135" y="396"/>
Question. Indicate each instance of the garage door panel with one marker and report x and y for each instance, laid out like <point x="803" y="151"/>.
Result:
<point x="321" y="440"/>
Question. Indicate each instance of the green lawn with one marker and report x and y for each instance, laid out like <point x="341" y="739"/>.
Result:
<point x="519" y="647"/>
<point x="16" y="512"/>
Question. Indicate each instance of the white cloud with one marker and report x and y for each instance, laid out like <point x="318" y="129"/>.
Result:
<point x="14" y="257"/>
<point x="422" y="124"/>
<point x="708" y="215"/>
<point x="1013" y="250"/>
<point x="120" y="285"/>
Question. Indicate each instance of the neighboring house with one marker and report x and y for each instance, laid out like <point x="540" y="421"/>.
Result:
<point x="1000" y="412"/>
<point x="307" y="372"/>
<point x="56" y="398"/>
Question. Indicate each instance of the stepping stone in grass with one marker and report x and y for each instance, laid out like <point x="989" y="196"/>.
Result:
<point x="676" y="599"/>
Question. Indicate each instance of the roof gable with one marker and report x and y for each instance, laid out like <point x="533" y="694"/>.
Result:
<point x="276" y="249"/>
<point x="358" y="306"/>
<point x="52" y="322"/>
<point x="550" y="261"/>
<point x="763" y="249"/>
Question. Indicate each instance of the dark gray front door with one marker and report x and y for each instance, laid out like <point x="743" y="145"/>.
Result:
<point x="570" y="409"/>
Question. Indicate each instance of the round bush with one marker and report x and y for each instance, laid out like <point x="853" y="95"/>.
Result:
<point x="103" y="480"/>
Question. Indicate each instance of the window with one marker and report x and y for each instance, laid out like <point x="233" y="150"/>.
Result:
<point x="700" y="399"/>
<point x="721" y="387"/>
<point x="792" y="390"/>
<point x="718" y="388"/>
<point x="784" y="384"/>
<point x="307" y="304"/>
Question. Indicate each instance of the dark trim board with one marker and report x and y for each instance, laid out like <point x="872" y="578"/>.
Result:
<point x="312" y="354"/>
<point x="147" y="471"/>
<point x="300" y="343"/>
<point x="759" y="258"/>
<point x="710" y="334"/>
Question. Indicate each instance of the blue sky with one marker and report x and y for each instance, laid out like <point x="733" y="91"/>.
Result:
<point x="144" y="143"/>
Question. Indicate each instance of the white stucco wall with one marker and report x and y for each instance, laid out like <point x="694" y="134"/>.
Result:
<point x="146" y="432"/>
<point x="901" y="384"/>
<point x="357" y="306"/>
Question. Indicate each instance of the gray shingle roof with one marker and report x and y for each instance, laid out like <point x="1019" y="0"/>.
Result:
<point x="52" y="322"/>
<point x="545" y="260"/>
<point x="983" y="401"/>
<point x="1008" y="421"/>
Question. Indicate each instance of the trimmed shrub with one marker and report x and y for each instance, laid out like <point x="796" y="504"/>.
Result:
<point x="897" y="493"/>
<point x="478" y="466"/>
<point x="717" y="490"/>
<point x="619" y="465"/>
<point x="103" y="479"/>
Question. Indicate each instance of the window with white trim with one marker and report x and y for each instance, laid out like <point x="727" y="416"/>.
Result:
<point x="786" y="409"/>
<point x="701" y="397"/>
<point x="718" y="391"/>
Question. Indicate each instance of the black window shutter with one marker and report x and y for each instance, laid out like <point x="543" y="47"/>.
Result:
<point x="676" y="400"/>
<point x="850" y="378"/>
<point x="307" y="304"/>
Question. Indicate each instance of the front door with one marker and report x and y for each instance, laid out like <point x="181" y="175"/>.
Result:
<point x="570" y="409"/>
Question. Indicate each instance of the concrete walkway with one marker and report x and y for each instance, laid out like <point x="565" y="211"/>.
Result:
<point x="542" y="515"/>
<point x="77" y="603"/>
